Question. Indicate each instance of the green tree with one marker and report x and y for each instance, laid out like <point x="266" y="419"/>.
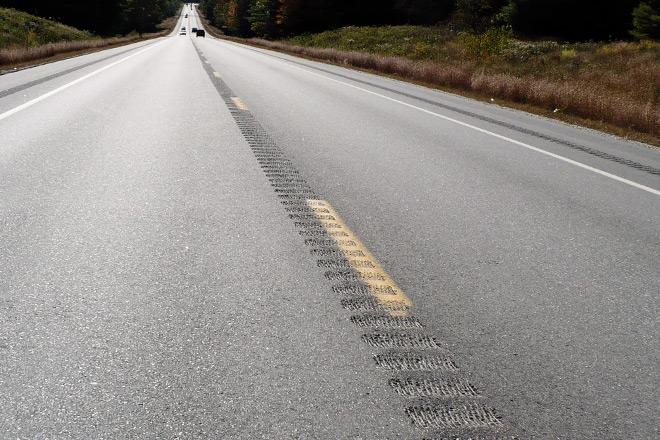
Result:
<point x="220" y="11"/>
<point x="170" y="7"/>
<point x="296" y="16"/>
<point x="236" y="18"/>
<point x="229" y="15"/>
<point x="571" y="19"/>
<point x="423" y="11"/>
<point x="142" y="15"/>
<point x="478" y="15"/>
<point x="207" y="8"/>
<point x="263" y="17"/>
<point x="646" y="20"/>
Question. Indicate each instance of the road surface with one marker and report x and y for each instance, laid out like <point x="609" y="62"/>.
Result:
<point x="201" y="239"/>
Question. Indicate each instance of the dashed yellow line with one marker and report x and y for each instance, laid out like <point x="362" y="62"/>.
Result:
<point x="381" y="286"/>
<point x="238" y="102"/>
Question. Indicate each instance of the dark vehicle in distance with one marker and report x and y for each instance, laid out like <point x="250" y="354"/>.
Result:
<point x="201" y="33"/>
<point x="193" y="30"/>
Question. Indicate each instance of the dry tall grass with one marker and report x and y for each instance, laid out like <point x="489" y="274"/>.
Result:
<point x="18" y="55"/>
<point x="593" y="100"/>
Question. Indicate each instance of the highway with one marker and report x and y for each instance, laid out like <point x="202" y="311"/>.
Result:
<point x="203" y="239"/>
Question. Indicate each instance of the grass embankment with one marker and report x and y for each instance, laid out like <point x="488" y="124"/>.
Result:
<point x="608" y="86"/>
<point x="20" y="29"/>
<point x="25" y="38"/>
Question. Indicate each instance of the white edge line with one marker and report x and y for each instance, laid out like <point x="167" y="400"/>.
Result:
<point x="34" y="101"/>
<point x="474" y="127"/>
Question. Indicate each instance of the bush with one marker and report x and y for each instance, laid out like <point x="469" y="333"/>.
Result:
<point x="615" y="82"/>
<point x="494" y="42"/>
<point x="646" y="20"/>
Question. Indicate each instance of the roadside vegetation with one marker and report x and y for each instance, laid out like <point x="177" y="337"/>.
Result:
<point x="565" y="20"/>
<point x="25" y="38"/>
<point x="20" y="29"/>
<point x="616" y="82"/>
<point x="588" y="62"/>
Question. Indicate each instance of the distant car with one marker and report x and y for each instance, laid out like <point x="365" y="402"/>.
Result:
<point x="193" y="30"/>
<point x="186" y="16"/>
<point x="183" y="28"/>
<point x="182" y="33"/>
<point x="200" y="33"/>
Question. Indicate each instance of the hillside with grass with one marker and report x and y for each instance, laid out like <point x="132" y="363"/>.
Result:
<point x="26" y="39"/>
<point x="20" y="29"/>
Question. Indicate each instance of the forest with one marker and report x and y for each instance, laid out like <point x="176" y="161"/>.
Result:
<point x="101" y="17"/>
<point x="567" y="20"/>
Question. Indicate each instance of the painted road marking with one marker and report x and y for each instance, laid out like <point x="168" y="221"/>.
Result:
<point x="381" y="286"/>
<point x="238" y="102"/>
<point x="216" y="74"/>
<point x="481" y="130"/>
<point x="38" y="99"/>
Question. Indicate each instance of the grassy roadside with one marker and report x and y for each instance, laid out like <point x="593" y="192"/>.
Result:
<point x="20" y="29"/>
<point x="611" y="87"/>
<point x="26" y="40"/>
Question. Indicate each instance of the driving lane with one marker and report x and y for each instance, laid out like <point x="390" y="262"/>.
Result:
<point x="540" y="275"/>
<point x="151" y="284"/>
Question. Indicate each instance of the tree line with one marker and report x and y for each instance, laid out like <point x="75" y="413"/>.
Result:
<point x="102" y="17"/>
<point x="573" y="20"/>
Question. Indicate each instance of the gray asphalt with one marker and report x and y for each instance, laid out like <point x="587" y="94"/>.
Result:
<point x="152" y="285"/>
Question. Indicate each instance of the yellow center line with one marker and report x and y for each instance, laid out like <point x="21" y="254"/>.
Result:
<point x="238" y="102"/>
<point x="372" y="274"/>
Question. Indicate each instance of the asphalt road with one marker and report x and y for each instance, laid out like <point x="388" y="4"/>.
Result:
<point x="159" y="276"/>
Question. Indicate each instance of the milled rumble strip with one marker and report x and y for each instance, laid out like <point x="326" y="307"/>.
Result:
<point x="239" y="103"/>
<point x="367" y="267"/>
<point x="437" y="398"/>
<point x="469" y="415"/>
